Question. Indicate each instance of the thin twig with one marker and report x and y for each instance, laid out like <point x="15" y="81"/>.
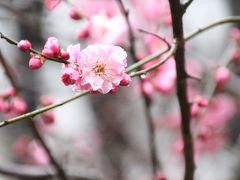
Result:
<point x="60" y="171"/>
<point x="147" y="102"/>
<point x="41" y="110"/>
<point x="157" y="36"/>
<point x="156" y="65"/>
<point x="28" y="172"/>
<point x="187" y="4"/>
<point x="130" y="31"/>
<point x="230" y="19"/>
<point x="13" y="42"/>
<point x="9" y="73"/>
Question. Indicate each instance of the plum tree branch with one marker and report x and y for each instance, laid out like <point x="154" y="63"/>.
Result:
<point x="181" y="85"/>
<point x="13" y="42"/>
<point x="28" y="172"/>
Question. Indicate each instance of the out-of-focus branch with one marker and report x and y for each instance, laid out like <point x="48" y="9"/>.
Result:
<point x="177" y="25"/>
<point x="12" y="78"/>
<point x="157" y="36"/>
<point x="147" y="101"/>
<point x="156" y="65"/>
<point x="130" y="30"/>
<point x="28" y="172"/>
<point x="41" y="110"/>
<point x="226" y="20"/>
<point x="9" y="73"/>
<point x="13" y="42"/>
<point x="60" y="171"/>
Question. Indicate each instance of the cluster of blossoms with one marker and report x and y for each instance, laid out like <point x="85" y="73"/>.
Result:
<point x="51" y="49"/>
<point x="97" y="68"/>
<point x="12" y="104"/>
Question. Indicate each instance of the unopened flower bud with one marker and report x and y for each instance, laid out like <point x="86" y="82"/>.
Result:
<point x="126" y="80"/>
<point x="74" y="14"/>
<point x="24" y="45"/>
<point x="36" y="62"/>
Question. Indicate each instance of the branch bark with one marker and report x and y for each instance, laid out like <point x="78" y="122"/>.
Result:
<point x="177" y="23"/>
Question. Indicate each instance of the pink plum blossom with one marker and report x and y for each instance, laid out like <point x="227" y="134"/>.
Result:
<point x="97" y="68"/>
<point x="51" y="4"/>
<point x="102" y="67"/>
<point x="106" y="30"/>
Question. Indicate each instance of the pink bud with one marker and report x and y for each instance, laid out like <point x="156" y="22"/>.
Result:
<point x="64" y="55"/>
<point x="222" y="75"/>
<point x="113" y="91"/>
<point x="19" y="105"/>
<point x="126" y="80"/>
<point x="74" y="14"/>
<point x="194" y="110"/>
<point x="94" y="92"/>
<point x="48" y="117"/>
<point x="67" y="79"/>
<point x="160" y="176"/>
<point x="24" y="45"/>
<point x="83" y="33"/>
<point x="36" y="62"/>
<point x="46" y="100"/>
<point x="202" y="102"/>
<point x="11" y="91"/>
<point x="4" y="106"/>
<point x="51" y="4"/>
<point x="236" y="56"/>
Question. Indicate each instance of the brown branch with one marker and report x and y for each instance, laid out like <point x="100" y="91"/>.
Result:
<point x="187" y="4"/>
<point x="60" y="171"/>
<point x="130" y="31"/>
<point x="177" y="15"/>
<point x="147" y="101"/>
<point x="29" y="172"/>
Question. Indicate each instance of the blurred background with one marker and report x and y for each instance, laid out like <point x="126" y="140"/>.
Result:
<point x="107" y="136"/>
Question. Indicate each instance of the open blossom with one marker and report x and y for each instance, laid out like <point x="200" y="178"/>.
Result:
<point x="102" y="67"/>
<point x="104" y="29"/>
<point x="97" y="68"/>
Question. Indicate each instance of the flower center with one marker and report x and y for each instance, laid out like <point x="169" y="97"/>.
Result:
<point x="99" y="68"/>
